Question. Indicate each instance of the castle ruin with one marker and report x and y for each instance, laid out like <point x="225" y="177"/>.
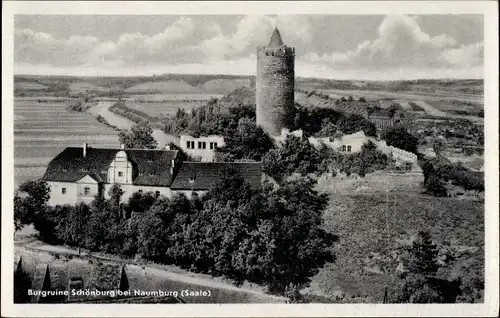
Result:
<point x="275" y="85"/>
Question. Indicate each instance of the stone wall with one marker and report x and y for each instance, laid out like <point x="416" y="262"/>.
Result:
<point x="275" y="84"/>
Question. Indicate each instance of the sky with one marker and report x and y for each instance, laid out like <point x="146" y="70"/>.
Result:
<point x="364" y="47"/>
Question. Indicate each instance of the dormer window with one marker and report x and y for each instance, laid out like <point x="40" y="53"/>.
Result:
<point x="192" y="178"/>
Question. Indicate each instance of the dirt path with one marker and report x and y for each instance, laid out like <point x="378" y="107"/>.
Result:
<point x="156" y="269"/>
<point x="429" y="109"/>
<point x="102" y="108"/>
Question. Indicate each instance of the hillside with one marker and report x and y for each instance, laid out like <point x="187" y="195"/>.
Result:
<point x="166" y="87"/>
<point x="224" y="86"/>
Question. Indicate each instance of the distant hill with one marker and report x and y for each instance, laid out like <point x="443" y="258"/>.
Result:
<point x="224" y="86"/>
<point x="170" y="87"/>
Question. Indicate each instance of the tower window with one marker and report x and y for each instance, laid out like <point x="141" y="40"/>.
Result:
<point x="120" y="173"/>
<point x="63" y="190"/>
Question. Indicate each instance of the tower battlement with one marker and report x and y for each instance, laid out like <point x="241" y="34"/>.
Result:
<point x="275" y="84"/>
<point x="278" y="51"/>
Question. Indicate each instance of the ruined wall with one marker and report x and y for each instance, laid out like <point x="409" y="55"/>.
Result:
<point x="275" y="87"/>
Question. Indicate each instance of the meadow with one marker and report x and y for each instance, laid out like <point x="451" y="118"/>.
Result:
<point x="376" y="216"/>
<point x="165" y="105"/>
<point x="43" y="128"/>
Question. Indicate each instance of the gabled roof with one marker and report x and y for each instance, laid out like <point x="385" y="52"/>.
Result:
<point x="206" y="175"/>
<point x="275" y="40"/>
<point x="152" y="167"/>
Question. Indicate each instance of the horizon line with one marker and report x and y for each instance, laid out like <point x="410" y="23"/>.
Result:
<point x="248" y="75"/>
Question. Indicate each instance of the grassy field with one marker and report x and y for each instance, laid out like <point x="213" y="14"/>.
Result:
<point x="374" y="215"/>
<point x="165" y="105"/>
<point x="43" y="129"/>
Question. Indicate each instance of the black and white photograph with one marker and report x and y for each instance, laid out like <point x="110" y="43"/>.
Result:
<point x="314" y="157"/>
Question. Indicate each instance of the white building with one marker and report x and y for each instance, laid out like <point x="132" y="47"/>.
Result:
<point x="202" y="148"/>
<point x="79" y="174"/>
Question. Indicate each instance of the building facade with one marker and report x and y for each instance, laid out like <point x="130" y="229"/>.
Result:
<point x="80" y="174"/>
<point x="201" y="148"/>
<point x="275" y="84"/>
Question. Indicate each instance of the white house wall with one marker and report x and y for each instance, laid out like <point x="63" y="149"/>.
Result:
<point x="205" y="154"/>
<point x="92" y="186"/>
<point x="120" y="164"/>
<point x="56" y="195"/>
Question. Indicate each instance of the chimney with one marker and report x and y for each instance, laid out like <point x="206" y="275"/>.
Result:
<point x="84" y="149"/>
<point x="122" y="146"/>
<point x="172" y="166"/>
<point x="167" y="147"/>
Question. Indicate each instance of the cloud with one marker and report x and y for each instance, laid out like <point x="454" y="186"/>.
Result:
<point x="252" y="31"/>
<point x="400" y="48"/>
<point x="401" y="43"/>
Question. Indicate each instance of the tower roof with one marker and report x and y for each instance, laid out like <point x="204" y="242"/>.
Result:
<point x="275" y="40"/>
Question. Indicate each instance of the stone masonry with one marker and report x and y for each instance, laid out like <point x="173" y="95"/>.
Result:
<point x="275" y="85"/>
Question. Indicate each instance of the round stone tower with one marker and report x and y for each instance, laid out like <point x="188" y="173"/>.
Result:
<point x="275" y="84"/>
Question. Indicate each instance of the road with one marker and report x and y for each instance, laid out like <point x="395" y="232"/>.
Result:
<point x="102" y="108"/>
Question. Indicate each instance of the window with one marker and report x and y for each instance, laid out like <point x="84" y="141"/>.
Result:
<point x="192" y="144"/>
<point x="152" y="173"/>
<point x="63" y="190"/>
<point x="140" y="191"/>
<point x="157" y="193"/>
<point x="120" y="173"/>
<point x="188" y="144"/>
<point x="199" y="144"/>
<point x="215" y="145"/>
<point x="343" y="147"/>
<point x="204" y="145"/>
<point x="86" y="191"/>
<point x="349" y="148"/>
<point x="211" y="145"/>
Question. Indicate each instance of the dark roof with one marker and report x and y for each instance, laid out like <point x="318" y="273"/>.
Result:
<point x="151" y="167"/>
<point x="275" y="40"/>
<point x="206" y="175"/>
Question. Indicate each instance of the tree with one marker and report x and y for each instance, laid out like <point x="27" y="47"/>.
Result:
<point x="247" y="141"/>
<point x="22" y="282"/>
<point x="141" y="202"/>
<point x="399" y="137"/>
<point x="140" y="136"/>
<point x="422" y="285"/>
<point x="362" y="99"/>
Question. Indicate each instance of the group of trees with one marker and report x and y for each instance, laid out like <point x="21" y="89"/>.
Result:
<point x="369" y="159"/>
<point x="272" y="236"/>
<point x="297" y="155"/>
<point x="422" y="283"/>
<point x="438" y="170"/>
<point x="315" y="121"/>
<point x="139" y="136"/>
